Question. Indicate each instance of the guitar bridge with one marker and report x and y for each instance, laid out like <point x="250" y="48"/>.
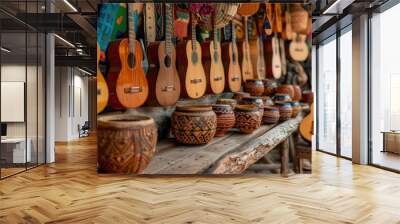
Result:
<point x="169" y="88"/>
<point x="133" y="89"/>
<point x="219" y="78"/>
<point x="235" y="79"/>
<point x="195" y="81"/>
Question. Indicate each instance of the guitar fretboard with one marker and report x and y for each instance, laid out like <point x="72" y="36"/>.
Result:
<point x="131" y="23"/>
<point x="169" y="28"/>
<point x="193" y="32"/>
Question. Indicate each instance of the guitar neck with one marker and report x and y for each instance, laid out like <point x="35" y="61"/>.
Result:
<point x="169" y="26"/>
<point x="131" y="28"/>
<point x="193" y="32"/>
<point x="246" y="34"/>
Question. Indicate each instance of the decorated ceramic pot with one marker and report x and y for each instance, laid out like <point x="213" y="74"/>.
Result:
<point x="269" y="87"/>
<point x="297" y="93"/>
<point x="267" y="101"/>
<point x="239" y="95"/>
<point x="126" y="143"/>
<point x="254" y="86"/>
<point x="247" y="118"/>
<point x="231" y="102"/>
<point x="194" y="124"/>
<point x="271" y="115"/>
<point x="296" y="107"/>
<point x="286" y="89"/>
<point x="225" y="118"/>
<point x="254" y="100"/>
<point x="308" y="97"/>
<point x="285" y="111"/>
<point x="282" y="98"/>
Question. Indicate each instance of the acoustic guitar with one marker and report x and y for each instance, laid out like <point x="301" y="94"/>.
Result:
<point x="127" y="81"/>
<point x="102" y="89"/>
<point x="212" y="63"/>
<point x="163" y="77"/>
<point x="230" y="58"/>
<point x="276" y="58"/>
<point x="307" y="125"/>
<point x="298" y="48"/>
<point x="190" y="68"/>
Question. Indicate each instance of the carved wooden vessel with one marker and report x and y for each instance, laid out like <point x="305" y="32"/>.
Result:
<point x="247" y="118"/>
<point x="225" y="118"/>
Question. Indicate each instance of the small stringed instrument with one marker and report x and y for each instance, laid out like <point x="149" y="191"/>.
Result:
<point x="127" y="82"/>
<point x="276" y="58"/>
<point x="257" y="51"/>
<point x="190" y="68"/>
<point x="230" y="58"/>
<point x="307" y="125"/>
<point x="213" y="64"/>
<point x="283" y="56"/>
<point x="163" y="78"/>
<point x="102" y="89"/>
<point x="298" y="48"/>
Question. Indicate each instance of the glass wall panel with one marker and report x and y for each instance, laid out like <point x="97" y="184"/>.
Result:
<point x="326" y="101"/>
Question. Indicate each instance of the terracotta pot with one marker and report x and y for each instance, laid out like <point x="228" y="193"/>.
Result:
<point x="282" y="98"/>
<point x="254" y="100"/>
<point x="194" y="124"/>
<point x="271" y="115"/>
<point x="225" y="118"/>
<point x="297" y="93"/>
<point x="254" y="86"/>
<point x="267" y="101"/>
<point x="269" y="87"/>
<point x="296" y="107"/>
<point x="231" y="102"/>
<point x="247" y="118"/>
<point x="125" y="143"/>
<point x="285" y="111"/>
<point x="286" y="89"/>
<point x="239" y="95"/>
<point x="308" y="97"/>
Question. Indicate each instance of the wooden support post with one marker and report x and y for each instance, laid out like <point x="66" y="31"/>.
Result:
<point x="292" y="150"/>
<point x="284" y="147"/>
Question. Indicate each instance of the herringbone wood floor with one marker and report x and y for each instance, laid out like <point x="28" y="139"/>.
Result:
<point x="71" y="191"/>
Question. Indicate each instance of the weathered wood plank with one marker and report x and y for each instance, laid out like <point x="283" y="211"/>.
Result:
<point x="236" y="161"/>
<point x="284" y="147"/>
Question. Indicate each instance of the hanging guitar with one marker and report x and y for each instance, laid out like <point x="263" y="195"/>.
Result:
<point x="190" y="68"/>
<point x="230" y="58"/>
<point x="163" y="77"/>
<point x="276" y="58"/>
<point x="298" y="48"/>
<point x="102" y="89"/>
<point x="307" y="125"/>
<point x="212" y="63"/>
<point x="257" y="48"/>
<point x="126" y="79"/>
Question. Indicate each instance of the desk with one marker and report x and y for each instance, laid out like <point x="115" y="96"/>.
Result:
<point x="13" y="150"/>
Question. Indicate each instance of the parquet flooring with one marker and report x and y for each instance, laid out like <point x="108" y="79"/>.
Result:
<point x="71" y="191"/>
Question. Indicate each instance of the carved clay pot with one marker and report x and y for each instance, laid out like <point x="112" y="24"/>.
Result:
<point x="296" y="107"/>
<point x="125" y="143"/>
<point x="285" y="111"/>
<point x="239" y="95"/>
<point x="282" y="98"/>
<point x="271" y="115"/>
<point x="269" y="87"/>
<point x="297" y="95"/>
<point x="231" y="102"/>
<point x="225" y="118"/>
<point x="254" y="86"/>
<point x="267" y="101"/>
<point x="247" y="118"/>
<point x="194" y="124"/>
<point x="254" y="100"/>
<point x="286" y="89"/>
<point x="308" y="97"/>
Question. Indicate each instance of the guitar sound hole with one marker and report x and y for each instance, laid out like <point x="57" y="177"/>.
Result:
<point x="167" y="61"/>
<point x="98" y="92"/>
<point x="131" y="60"/>
<point x="194" y="57"/>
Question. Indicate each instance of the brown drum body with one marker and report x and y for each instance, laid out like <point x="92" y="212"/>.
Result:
<point x="255" y="87"/>
<point x="125" y="143"/>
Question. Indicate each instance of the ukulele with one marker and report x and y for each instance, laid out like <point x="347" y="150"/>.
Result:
<point x="298" y="48"/>
<point x="190" y="69"/>
<point x="163" y="79"/>
<point x="257" y="49"/>
<point x="213" y="64"/>
<point x="127" y="81"/>
<point x="231" y="58"/>
<point x="283" y="56"/>
<point x="307" y="125"/>
<point x="102" y="89"/>
<point x="276" y="59"/>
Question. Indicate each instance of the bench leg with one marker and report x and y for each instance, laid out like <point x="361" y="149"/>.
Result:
<point x="284" y="147"/>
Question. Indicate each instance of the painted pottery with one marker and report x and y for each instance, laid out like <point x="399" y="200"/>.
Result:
<point x="282" y="98"/>
<point x="271" y="115"/>
<point x="254" y="86"/>
<point x="297" y="93"/>
<point x="254" y="100"/>
<point x="125" y="143"/>
<point x="285" y="111"/>
<point x="267" y="101"/>
<point x="269" y="87"/>
<point x="231" y="102"/>
<point x="225" y="118"/>
<point x="296" y="107"/>
<point x="247" y="118"/>
<point x="286" y="89"/>
<point x="194" y="124"/>
<point x="308" y="97"/>
<point x="239" y="95"/>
